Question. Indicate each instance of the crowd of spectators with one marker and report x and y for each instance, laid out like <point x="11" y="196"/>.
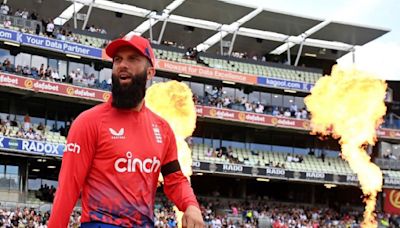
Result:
<point x="47" y="27"/>
<point x="227" y="152"/>
<point x="263" y="213"/>
<point x="25" y="130"/>
<point x="228" y="214"/>
<point x="294" y="158"/>
<point x="23" y="218"/>
<point x="23" y="13"/>
<point x="95" y="29"/>
<point x="217" y="98"/>
<point x="46" y="193"/>
<point x="75" y="77"/>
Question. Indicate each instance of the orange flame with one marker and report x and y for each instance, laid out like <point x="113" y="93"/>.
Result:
<point x="173" y="101"/>
<point x="349" y="104"/>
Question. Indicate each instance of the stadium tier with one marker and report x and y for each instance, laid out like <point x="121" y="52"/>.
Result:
<point x="254" y="161"/>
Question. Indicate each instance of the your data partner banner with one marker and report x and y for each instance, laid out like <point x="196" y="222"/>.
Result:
<point x="50" y="44"/>
<point x="31" y="146"/>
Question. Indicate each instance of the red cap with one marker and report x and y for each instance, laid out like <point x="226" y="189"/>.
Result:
<point x="139" y="43"/>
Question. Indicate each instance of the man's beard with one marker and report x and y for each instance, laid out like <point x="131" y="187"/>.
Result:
<point x="128" y="96"/>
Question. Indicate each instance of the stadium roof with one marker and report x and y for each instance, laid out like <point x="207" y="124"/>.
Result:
<point x="203" y="24"/>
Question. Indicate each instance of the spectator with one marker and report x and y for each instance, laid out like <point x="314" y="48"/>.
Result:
<point x="38" y="29"/>
<point x="7" y="23"/>
<point x="35" y="72"/>
<point x="26" y="70"/>
<point x="54" y="128"/>
<point x="4" y="9"/>
<point x="287" y="113"/>
<point x="47" y="74"/>
<point x="50" y="28"/>
<point x="248" y="107"/>
<point x="42" y="71"/>
<point x="55" y="76"/>
<point x="298" y="115"/>
<point x="227" y="102"/>
<point x="275" y="112"/>
<point x="259" y="108"/>
<point x="7" y="64"/>
<point x="41" y="127"/>
<point x="27" y="122"/>
<point x="18" y="13"/>
<point x="25" y="14"/>
<point x="14" y="122"/>
<point x="34" y="15"/>
<point x="18" y="70"/>
<point x="30" y="134"/>
<point x="92" y="29"/>
<point x="293" y="109"/>
<point x="304" y="113"/>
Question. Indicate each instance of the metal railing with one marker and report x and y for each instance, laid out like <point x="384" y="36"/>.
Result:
<point x="21" y="22"/>
<point x="384" y="163"/>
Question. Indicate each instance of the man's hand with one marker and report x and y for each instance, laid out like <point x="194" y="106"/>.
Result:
<point x="192" y="218"/>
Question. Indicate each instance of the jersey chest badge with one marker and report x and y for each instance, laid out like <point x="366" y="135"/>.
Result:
<point x="157" y="133"/>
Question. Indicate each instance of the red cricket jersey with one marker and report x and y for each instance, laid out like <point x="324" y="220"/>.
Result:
<point x="113" y="158"/>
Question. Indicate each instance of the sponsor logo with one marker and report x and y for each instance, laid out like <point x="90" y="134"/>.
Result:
<point x="13" y="144"/>
<point x="213" y="167"/>
<point x="392" y="181"/>
<point x="394" y="198"/>
<point x="117" y="135"/>
<point x="131" y="165"/>
<point x="32" y="146"/>
<point x="8" y="80"/>
<point x="70" y="91"/>
<point x="222" y="114"/>
<point x="199" y="110"/>
<point x="45" y="86"/>
<point x="233" y="168"/>
<point x="157" y="133"/>
<point x="286" y="122"/>
<point x="196" y="164"/>
<point x="106" y="96"/>
<point x="80" y="92"/>
<point x="84" y="93"/>
<point x="335" y="178"/>
<point x="242" y="116"/>
<point x="315" y="175"/>
<point x="277" y="172"/>
<point x="254" y="171"/>
<point x="351" y="178"/>
<point x="6" y="35"/>
<point x="213" y="112"/>
<point x="73" y="148"/>
<point x="28" y="84"/>
<point x="255" y="118"/>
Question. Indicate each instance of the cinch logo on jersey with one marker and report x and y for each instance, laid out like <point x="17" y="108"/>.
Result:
<point x="72" y="147"/>
<point x="131" y="165"/>
<point x="117" y="135"/>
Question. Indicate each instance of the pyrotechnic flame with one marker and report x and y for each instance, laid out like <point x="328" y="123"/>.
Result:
<point x="173" y="101"/>
<point x="349" y="104"/>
